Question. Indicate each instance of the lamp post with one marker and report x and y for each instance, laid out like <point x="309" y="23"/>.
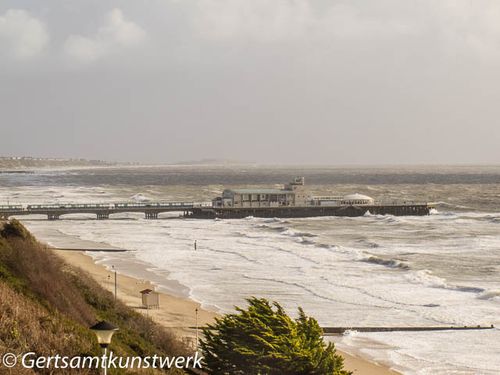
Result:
<point x="196" y="343"/>
<point x="104" y="332"/>
<point x="113" y="267"/>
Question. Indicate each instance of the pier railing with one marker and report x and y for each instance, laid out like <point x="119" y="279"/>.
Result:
<point x="102" y="210"/>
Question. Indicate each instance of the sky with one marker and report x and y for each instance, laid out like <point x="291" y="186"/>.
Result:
<point x="264" y="81"/>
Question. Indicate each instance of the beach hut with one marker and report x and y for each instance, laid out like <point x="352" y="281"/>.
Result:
<point x="150" y="299"/>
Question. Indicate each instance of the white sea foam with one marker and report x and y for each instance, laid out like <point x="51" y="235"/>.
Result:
<point x="139" y="197"/>
<point x="368" y="271"/>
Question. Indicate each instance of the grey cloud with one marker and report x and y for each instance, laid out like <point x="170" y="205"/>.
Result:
<point x="269" y="81"/>
<point x="22" y="36"/>
<point x="118" y="32"/>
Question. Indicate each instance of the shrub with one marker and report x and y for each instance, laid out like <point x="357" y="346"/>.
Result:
<point x="263" y="339"/>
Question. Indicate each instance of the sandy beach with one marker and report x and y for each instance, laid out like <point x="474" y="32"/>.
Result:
<point x="175" y="312"/>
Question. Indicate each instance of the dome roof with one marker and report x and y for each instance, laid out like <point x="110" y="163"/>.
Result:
<point x="357" y="196"/>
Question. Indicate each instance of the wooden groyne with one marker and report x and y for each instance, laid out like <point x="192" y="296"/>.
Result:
<point x="340" y="330"/>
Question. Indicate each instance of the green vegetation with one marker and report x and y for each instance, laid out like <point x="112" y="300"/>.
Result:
<point x="46" y="307"/>
<point x="263" y="339"/>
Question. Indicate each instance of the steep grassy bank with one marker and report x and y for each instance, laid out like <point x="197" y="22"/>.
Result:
<point x="46" y="307"/>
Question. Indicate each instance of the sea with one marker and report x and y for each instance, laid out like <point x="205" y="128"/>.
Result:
<point x="375" y="270"/>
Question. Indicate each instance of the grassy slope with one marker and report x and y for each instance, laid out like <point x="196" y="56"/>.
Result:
<point x="46" y="306"/>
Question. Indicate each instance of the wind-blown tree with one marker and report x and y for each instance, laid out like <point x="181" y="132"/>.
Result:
<point x="264" y="340"/>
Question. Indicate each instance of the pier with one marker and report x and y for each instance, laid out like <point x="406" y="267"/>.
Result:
<point x="206" y="210"/>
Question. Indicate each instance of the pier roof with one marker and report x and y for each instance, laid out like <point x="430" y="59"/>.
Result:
<point x="358" y="196"/>
<point x="259" y="191"/>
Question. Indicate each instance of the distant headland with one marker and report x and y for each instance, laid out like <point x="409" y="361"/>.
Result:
<point x="14" y="164"/>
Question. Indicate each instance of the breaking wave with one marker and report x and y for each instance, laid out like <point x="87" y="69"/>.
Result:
<point x="490" y="294"/>
<point x="426" y="278"/>
<point x="392" y="263"/>
<point x="451" y="205"/>
<point x="292" y="233"/>
<point x="369" y="244"/>
<point x="139" y="197"/>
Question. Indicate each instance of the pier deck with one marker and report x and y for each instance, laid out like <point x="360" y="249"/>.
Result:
<point x="101" y="210"/>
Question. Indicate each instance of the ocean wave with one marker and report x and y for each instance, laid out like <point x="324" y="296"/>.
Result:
<point x="273" y="228"/>
<point x="367" y="243"/>
<point x="388" y="219"/>
<point x="350" y="332"/>
<point x="139" y="197"/>
<point x="450" y="205"/>
<point x="447" y="214"/>
<point x="305" y="238"/>
<point x="426" y="278"/>
<point x="490" y="294"/>
<point x="248" y="235"/>
<point x="467" y="289"/>
<point x="492" y="218"/>
<point x="284" y="250"/>
<point x="233" y="254"/>
<point x="305" y="241"/>
<point x="470" y="215"/>
<point x="325" y="246"/>
<point x="276" y="220"/>
<point x="307" y="289"/>
<point x="292" y="233"/>
<point x="391" y="263"/>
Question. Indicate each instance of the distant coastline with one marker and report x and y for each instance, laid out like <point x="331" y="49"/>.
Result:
<point x="17" y="172"/>
<point x="17" y="164"/>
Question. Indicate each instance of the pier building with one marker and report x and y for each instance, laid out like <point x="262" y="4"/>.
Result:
<point x="292" y="194"/>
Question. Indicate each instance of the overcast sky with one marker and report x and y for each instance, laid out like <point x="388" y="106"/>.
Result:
<point x="276" y="81"/>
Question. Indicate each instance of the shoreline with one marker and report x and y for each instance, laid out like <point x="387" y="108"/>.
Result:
<point x="177" y="311"/>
